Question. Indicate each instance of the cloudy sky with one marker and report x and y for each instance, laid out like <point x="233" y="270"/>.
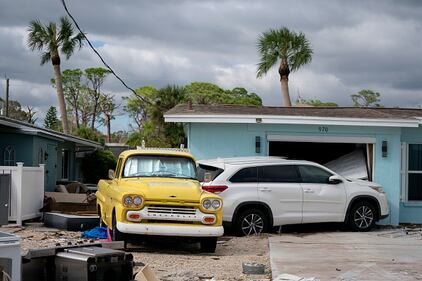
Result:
<point x="357" y="45"/>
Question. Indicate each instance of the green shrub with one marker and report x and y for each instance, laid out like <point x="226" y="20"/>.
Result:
<point x="95" y="166"/>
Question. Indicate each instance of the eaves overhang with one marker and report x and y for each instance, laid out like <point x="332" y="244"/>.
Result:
<point x="292" y="120"/>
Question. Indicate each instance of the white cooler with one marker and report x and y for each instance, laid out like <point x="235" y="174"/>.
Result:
<point x="10" y="256"/>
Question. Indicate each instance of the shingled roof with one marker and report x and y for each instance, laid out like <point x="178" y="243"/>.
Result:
<point x="334" y="112"/>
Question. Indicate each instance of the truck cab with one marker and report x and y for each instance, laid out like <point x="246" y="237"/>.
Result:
<point x="157" y="192"/>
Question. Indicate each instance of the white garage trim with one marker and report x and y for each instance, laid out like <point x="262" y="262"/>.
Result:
<point x="325" y="139"/>
<point x="292" y="120"/>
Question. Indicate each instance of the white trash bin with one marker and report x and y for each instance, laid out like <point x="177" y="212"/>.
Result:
<point x="10" y="256"/>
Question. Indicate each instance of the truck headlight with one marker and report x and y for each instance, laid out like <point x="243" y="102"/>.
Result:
<point x="216" y="204"/>
<point x="127" y="201"/>
<point x="137" y="200"/>
<point x="206" y="204"/>
<point x="211" y="204"/>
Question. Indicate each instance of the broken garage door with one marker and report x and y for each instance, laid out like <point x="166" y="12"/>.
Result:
<point x="352" y="160"/>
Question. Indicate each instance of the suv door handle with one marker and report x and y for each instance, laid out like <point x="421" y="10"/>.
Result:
<point x="265" y="189"/>
<point x="309" y="191"/>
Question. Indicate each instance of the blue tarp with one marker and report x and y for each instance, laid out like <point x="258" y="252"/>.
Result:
<point x="96" y="233"/>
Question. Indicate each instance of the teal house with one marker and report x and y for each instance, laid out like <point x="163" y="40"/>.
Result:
<point x="33" y="145"/>
<point x="379" y="144"/>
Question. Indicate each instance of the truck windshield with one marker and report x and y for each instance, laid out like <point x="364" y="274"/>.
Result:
<point x="159" y="166"/>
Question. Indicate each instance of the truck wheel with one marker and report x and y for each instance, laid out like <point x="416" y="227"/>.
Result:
<point x="362" y="217"/>
<point x="100" y="220"/>
<point x="116" y="235"/>
<point x="208" y="245"/>
<point x="251" y="222"/>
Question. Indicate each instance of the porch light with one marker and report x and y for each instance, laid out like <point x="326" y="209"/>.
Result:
<point x="384" y="149"/>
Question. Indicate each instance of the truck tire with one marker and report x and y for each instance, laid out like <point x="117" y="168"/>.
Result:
<point x="362" y="217"/>
<point x="116" y="235"/>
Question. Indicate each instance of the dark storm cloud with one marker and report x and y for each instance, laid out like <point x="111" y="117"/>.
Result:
<point x="357" y="44"/>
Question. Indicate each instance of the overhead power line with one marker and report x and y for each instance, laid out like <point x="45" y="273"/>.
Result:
<point x="101" y="58"/>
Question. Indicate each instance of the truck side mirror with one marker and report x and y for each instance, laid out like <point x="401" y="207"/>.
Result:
<point x="111" y="174"/>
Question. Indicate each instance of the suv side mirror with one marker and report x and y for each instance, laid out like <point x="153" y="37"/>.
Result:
<point x="334" y="179"/>
<point x="111" y="174"/>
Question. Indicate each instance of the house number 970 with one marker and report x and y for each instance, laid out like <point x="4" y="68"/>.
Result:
<point x="323" y="129"/>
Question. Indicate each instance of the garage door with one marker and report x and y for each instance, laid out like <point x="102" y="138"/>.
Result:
<point x="350" y="157"/>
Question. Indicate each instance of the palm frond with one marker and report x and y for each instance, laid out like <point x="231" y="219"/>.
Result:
<point x="37" y="35"/>
<point x="285" y="45"/>
<point x="69" y="42"/>
<point x="45" y="57"/>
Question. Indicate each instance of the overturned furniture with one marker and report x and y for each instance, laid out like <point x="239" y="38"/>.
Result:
<point x="72" y="208"/>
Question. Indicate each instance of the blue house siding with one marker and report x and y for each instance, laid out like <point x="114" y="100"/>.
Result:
<point x="27" y="148"/>
<point x="410" y="212"/>
<point x="212" y="140"/>
<point x="22" y="144"/>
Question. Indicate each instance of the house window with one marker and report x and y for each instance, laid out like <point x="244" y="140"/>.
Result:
<point x="65" y="164"/>
<point x="413" y="172"/>
<point x="40" y="156"/>
<point x="9" y="156"/>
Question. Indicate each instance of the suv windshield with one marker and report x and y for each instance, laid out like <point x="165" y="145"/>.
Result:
<point x="159" y="166"/>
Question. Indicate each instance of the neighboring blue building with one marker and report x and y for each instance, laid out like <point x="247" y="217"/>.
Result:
<point x="32" y="145"/>
<point x="389" y="140"/>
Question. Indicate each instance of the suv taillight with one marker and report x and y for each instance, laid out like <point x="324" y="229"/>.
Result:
<point x="214" y="188"/>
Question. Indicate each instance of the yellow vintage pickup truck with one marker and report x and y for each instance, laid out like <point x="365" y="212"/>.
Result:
<point x="156" y="192"/>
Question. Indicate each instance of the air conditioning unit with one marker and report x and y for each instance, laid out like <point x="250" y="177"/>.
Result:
<point x="92" y="264"/>
<point x="10" y="257"/>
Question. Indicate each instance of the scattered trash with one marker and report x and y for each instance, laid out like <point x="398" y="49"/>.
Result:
<point x="290" y="277"/>
<point x="96" y="233"/>
<point x="146" y="274"/>
<point x="253" y="268"/>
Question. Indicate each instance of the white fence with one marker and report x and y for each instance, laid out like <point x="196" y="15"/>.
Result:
<point x="27" y="191"/>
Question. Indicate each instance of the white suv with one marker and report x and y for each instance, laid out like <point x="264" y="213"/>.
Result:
<point x="262" y="192"/>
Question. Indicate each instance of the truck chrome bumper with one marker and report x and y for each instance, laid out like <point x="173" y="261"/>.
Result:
<point x="170" y="230"/>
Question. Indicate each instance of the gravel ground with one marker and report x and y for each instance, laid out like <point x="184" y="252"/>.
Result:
<point x="171" y="260"/>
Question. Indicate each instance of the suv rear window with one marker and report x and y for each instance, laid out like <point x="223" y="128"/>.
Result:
<point x="278" y="173"/>
<point x="246" y="175"/>
<point x="208" y="173"/>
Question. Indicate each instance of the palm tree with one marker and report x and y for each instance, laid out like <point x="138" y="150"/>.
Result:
<point x="291" y="48"/>
<point x="51" y="39"/>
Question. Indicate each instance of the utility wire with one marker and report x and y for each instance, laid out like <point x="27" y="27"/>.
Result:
<point x="101" y="58"/>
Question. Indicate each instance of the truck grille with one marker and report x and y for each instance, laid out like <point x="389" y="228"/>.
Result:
<point x="171" y="210"/>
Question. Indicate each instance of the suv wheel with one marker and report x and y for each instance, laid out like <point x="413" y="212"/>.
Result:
<point x="251" y="222"/>
<point x="208" y="245"/>
<point x="362" y="216"/>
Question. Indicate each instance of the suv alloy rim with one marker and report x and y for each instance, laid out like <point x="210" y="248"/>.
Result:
<point x="363" y="217"/>
<point x="252" y="224"/>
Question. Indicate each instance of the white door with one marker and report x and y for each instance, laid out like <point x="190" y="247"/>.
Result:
<point x="322" y="201"/>
<point x="280" y="189"/>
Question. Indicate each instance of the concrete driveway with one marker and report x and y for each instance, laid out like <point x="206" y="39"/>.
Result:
<point x="386" y="254"/>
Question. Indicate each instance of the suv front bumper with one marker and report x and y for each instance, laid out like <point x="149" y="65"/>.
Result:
<point x="170" y="230"/>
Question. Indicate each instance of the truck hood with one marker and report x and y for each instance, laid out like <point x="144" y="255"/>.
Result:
<point x="164" y="189"/>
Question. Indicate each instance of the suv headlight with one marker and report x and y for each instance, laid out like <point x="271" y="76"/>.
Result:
<point x="211" y="204"/>
<point x="378" y="189"/>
